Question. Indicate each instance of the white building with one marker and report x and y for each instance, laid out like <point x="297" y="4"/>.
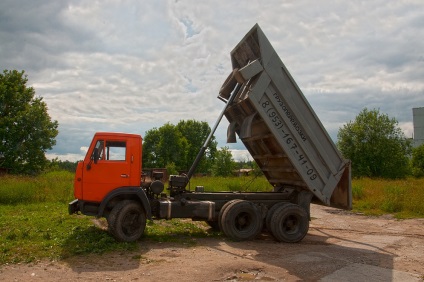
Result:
<point x="418" y="119"/>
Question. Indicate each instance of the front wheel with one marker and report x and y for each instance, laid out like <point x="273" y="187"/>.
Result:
<point x="127" y="221"/>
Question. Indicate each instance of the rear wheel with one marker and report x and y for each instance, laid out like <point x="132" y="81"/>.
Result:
<point x="289" y="223"/>
<point x="270" y="213"/>
<point x="221" y="212"/>
<point x="127" y="221"/>
<point x="242" y="220"/>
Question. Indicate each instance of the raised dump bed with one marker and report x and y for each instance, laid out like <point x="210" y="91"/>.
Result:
<point x="279" y="128"/>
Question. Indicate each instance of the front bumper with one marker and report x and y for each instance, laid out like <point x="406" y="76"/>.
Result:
<point x="73" y="207"/>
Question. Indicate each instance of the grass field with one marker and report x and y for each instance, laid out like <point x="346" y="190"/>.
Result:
<point x="403" y="198"/>
<point x="216" y="184"/>
<point x="34" y="222"/>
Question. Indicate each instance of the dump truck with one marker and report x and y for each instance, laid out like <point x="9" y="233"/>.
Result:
<point x="268" y="112"/>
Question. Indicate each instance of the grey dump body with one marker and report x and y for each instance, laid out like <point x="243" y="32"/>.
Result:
<point x="279" y="128"/>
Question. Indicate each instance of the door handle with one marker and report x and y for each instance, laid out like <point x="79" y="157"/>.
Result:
<point x="125" y="175"/>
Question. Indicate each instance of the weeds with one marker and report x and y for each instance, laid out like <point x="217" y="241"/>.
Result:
<point x="34" y="223"/>
<point x="403" y="198"/>
<point x="244" y="183"/>
<point x="177" y="230"/>
<point x="55" y="186"/>
<point x="35" y="231"/>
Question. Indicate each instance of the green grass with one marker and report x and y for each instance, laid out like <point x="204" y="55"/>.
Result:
<point x="402" y="198"/>
<point x="178" y="230"/>
<point x="244" y="183"/>
<point x="29" y="232"/>
<point x="55" y="186"/>
<point x="34" y="221"/>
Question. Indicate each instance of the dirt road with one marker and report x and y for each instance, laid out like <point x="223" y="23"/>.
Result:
<point x="340" y="246"/>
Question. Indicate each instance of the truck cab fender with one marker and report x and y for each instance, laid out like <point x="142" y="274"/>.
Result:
<point x="127" y="193"/>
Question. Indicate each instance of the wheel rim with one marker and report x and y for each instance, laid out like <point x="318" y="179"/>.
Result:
<point x="243" y="221"/>
<point x="291" y="224"/>
<point x="131" y="223"/>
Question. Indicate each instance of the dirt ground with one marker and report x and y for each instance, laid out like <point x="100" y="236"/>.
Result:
<point x="340" y="246"/>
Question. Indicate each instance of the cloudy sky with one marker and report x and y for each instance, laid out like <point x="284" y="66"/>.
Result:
<point x="129" y="66"/>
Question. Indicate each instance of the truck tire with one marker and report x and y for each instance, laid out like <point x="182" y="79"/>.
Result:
<point x="127" y="221"/>
<point x="221" y="212"/>
<point x="289" y="223"/>
<point x="242" y="220"/>
<point x="270" y="213"/>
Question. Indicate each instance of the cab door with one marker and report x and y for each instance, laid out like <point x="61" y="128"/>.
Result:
<point x="108" y="168"/>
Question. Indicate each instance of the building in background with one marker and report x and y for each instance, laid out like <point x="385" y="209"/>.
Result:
<point x="418" y="119"/>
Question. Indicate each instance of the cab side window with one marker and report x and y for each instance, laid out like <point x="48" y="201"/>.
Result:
<point x="116" y="150"/>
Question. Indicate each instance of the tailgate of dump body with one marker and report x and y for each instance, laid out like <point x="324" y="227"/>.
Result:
<point x="280" y="129"/>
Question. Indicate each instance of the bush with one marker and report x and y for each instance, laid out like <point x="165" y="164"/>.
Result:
<point x="418" y="161"/>
<point x="171" y="169"/>
<point x="223" y="164"/>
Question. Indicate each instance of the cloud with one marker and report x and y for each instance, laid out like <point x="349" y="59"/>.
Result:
<point x="241" y="155"/>
<point x="130" y="65"/>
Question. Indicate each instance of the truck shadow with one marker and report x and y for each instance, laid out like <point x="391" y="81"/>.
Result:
<point x="86" y="250"/>
<point x="318" y="255"/>
<point x="321" y="253"/>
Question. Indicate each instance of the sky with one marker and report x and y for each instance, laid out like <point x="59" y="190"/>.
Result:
<point x="130" y="66"/>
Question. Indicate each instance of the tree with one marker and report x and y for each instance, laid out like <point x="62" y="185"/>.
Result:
<point x="223" y="164"/>
<point x="376" y="146"/>
<point x="418" y="161"/>
<point x="196" y="133"/>
<point x="172" y="146"/>
<point x="26" y="129"/>
<point x="56" y="164"/>
<point x="163" y="146"/>
<point x="150" y="148"/>
<point x="177" y="146"/>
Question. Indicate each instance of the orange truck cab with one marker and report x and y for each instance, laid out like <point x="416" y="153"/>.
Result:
<point x="111" y="167"/>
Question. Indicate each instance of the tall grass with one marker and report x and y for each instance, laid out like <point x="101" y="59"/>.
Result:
<point x="234" y="184"/>
<point x="403" y="198"/>
<point x="54" y="186"/>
